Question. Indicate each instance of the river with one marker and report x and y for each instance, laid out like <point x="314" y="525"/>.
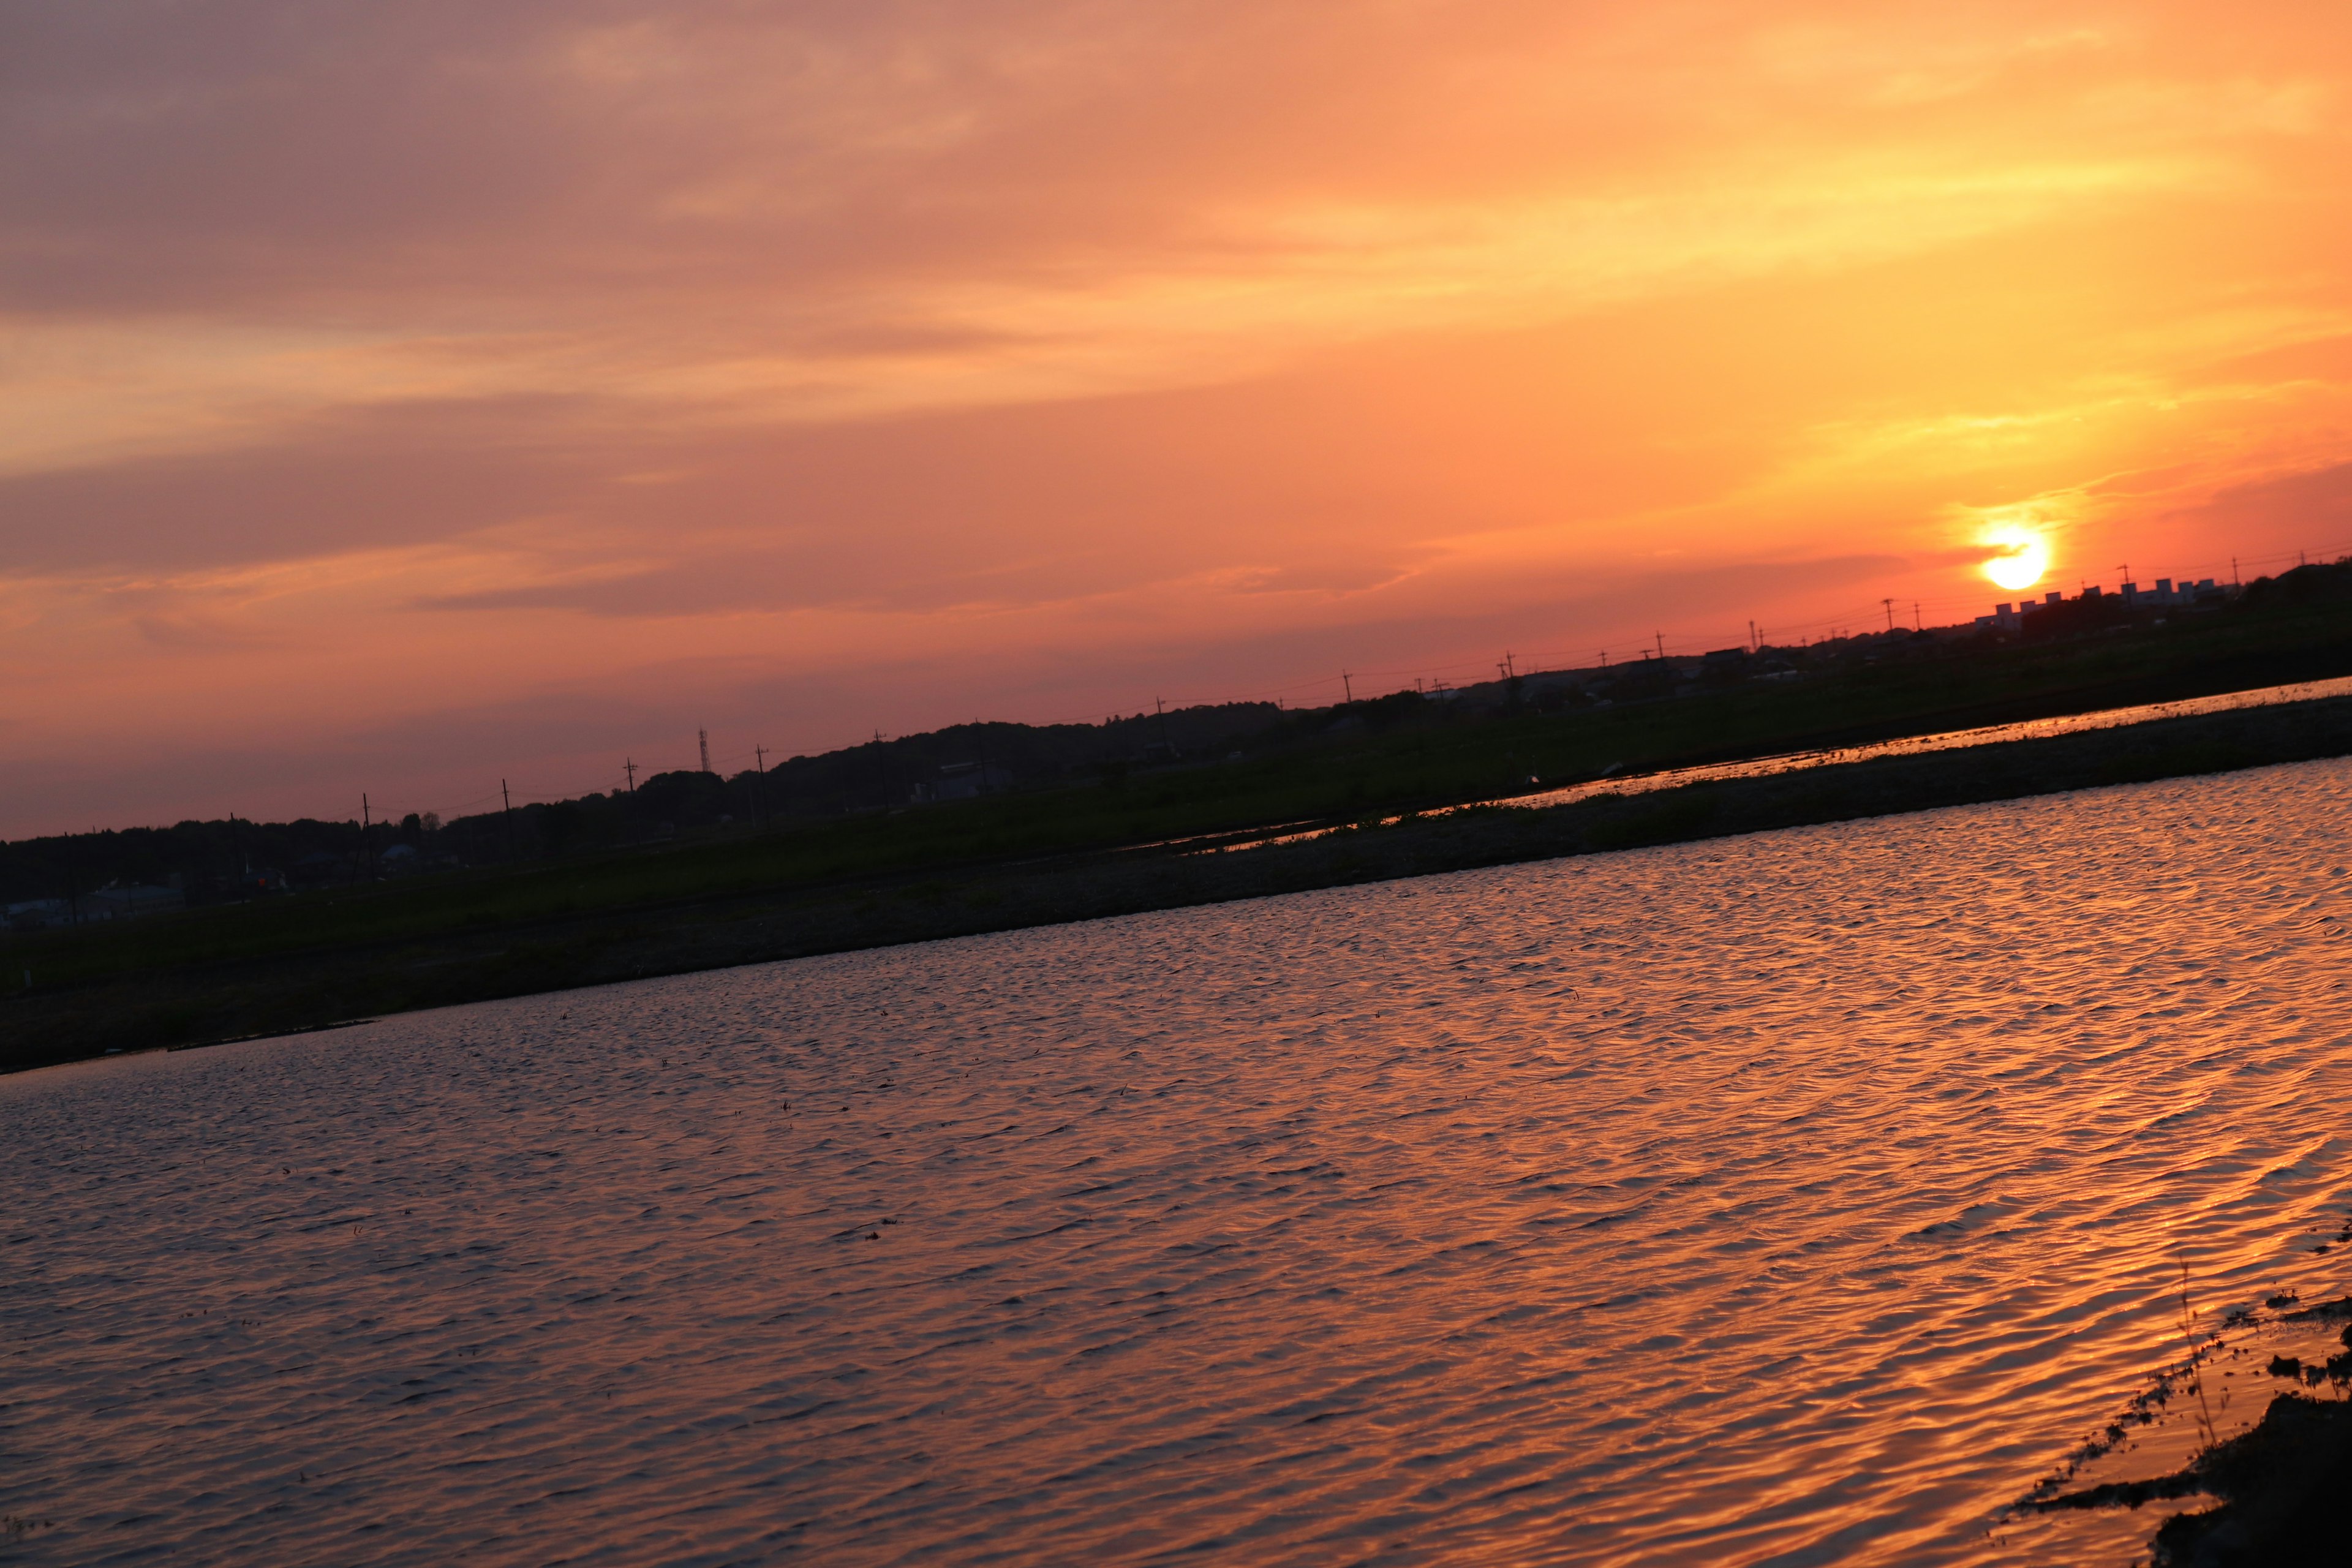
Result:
<point x="1799" y="1198"/>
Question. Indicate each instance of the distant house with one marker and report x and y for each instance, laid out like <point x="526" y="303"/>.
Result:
<point x="962" y="781"/>
<point x="1724" y="664"/>
<point x="108" y="903"/>
<point x="130" y="903"/>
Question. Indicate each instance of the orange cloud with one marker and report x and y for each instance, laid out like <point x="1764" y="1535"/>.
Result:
<point x="1013" y="358"/>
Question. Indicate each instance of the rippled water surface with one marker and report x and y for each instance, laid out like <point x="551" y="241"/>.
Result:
<point x="1796" y="1198"/>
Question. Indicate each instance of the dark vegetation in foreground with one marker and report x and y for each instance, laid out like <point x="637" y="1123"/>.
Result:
<point x="2282" y="1487"/>
<point x="302" y="963"/>
<point x="2280" y="1483"/>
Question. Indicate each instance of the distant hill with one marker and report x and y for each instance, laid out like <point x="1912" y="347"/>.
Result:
<point x="223" y="861"/>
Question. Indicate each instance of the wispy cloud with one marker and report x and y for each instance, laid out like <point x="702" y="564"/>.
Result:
<point x="463" y="353"/>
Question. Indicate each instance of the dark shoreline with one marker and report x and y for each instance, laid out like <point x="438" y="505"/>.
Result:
<point x="2278" y="1485"/>
<point x="196" y="1004"/>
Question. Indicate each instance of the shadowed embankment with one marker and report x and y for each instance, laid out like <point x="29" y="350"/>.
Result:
<point x="2281" y="1484"/>
<point x="202" y="1003"/>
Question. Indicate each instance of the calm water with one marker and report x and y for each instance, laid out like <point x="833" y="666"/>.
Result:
<point x="1798" y="1198"/>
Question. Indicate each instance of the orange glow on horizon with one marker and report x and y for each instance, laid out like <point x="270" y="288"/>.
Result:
<point x="1036" y="360"/>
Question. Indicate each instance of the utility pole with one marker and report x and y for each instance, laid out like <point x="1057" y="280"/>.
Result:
<point x="980" y="744"/>
<point x="367" y="843"/>
<point x="1890" y="612"/>
<point x="704" y="736"/>
<point x="1348" y="684"/>
<point x="630" y="768"/>
<point x="759" y="759"/>
<point x="1916" y="624"/>
<point x="507" y="801"/>
<point x="1160" y="707"/>
<point x="1662" y="646"/>
<point x="2233" y="571"/>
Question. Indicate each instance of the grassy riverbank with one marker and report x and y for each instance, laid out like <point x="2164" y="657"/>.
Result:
<point x="377" y="951"/>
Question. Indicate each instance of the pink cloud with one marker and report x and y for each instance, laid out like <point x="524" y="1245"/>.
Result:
<point x="1010" y="357"/>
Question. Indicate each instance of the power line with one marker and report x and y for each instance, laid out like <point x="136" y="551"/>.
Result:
<point x="1425" y="676"/>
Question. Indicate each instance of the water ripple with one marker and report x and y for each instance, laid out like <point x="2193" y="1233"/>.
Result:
<point x="1791" y="1199"/>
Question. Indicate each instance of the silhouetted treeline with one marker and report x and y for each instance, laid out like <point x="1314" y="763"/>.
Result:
<point x="220" y="862"/>
<point x="2321" y="582"/>
<point x="211" y="862"/>
<point x="225" y="861"/>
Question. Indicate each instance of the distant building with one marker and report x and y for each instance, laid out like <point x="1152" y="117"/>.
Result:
<point x="1724" y="665"/>
<point x="2167" y="593"/>
<point x="130" y="903"/>
<point x="109" y="903"/>
<point x="2007" y="617"/>
<point x="962" y="781"/>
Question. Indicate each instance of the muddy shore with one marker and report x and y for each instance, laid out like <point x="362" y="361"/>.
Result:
<point x="2278" y="1486"/>
<point x="196" y="1004"/>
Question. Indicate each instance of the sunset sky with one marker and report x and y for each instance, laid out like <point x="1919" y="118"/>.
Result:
<point x="404" y="397"/>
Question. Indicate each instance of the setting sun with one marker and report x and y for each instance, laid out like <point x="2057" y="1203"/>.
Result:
<point x="1768" y="576"/>
<point x="2023" y="558"/>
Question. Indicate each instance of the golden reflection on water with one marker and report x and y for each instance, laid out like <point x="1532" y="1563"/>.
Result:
<point x="1796" y="1198"/>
